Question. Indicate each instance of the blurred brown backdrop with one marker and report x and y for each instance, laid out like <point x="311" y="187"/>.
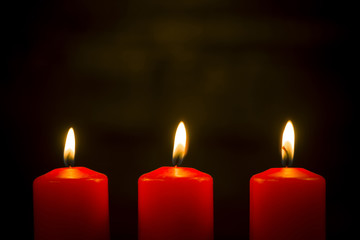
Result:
<point x="124" y="73"/>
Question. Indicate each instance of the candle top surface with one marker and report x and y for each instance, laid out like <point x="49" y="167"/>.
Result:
<point x="287" y="173"/>
<point x="168" y="173"/>
<point x="72" y="173"/>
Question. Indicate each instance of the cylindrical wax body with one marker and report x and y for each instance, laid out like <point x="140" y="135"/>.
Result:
<point x="175" y="203"/>
<point x="287" y="203"/>
<point x="71" y="204"/>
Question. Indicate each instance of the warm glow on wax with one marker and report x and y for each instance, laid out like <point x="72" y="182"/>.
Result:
<point x="288" y="144"/>
<point x="179" y="151"/>
<point x="69" y="150"/>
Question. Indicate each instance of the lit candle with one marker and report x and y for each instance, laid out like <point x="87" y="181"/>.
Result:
<point x="287" y="203"/>
<point x="176" y="202"/>
<point x="71" y="203"/>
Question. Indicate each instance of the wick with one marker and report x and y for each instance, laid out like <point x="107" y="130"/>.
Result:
<point x="69" y="162"/>
<point x="286" y="160"/>
<point x="177" y="161"/>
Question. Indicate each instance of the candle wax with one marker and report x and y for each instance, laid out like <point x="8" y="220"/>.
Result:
<point x="71" y="204"/>
<point x="175" y="203"/>
<point x="287" y="203"/>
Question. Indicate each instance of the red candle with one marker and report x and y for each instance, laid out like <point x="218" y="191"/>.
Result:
<point x="287" y="203"/>
<point x="71" y="203"/>
<point x="176" y="203"/>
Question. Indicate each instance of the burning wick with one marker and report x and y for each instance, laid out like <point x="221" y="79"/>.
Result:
<point x="177" y="160"/>
<point x="69" y="149"/>
<point x="179" y="151"/>
<point x="286" y="160"/>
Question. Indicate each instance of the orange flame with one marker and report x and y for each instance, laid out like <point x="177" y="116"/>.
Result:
<point x="180" y="147"/>
<point x="69" y="150"/>
<point x="288" y="144"/>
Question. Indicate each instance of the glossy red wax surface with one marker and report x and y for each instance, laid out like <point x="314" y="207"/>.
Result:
<point x="287" y="204"/>
<point x="175" y="203"/>
<point x="71" y="204"/>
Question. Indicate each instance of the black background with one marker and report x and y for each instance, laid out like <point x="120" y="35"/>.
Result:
<point x="124" y="73"/>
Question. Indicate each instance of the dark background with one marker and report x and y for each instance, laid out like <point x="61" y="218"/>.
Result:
<point x="124" y="73"/>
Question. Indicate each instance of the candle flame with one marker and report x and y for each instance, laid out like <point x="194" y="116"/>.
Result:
<point x="69" y="150"/>
<point x="288" y="144"/>
<point x="180" y="147"/>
